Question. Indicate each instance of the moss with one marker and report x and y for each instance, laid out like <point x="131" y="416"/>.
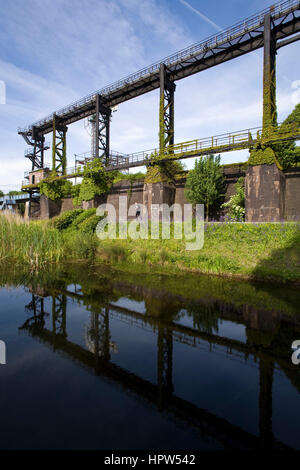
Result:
<point x="262" y="156"/>
<point x="161" y="123"/>
<point x="159" y="171"/>
<point x="269" y="100"/>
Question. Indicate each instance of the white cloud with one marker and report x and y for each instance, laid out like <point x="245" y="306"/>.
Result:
<point x="56" y="51"/>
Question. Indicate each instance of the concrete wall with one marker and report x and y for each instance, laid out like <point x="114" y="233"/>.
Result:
<point x="271" y="195"/>
<point x="49" y="208"/>
<point x="292" y="194"/>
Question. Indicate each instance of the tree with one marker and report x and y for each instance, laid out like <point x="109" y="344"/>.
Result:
<point x="205" y="183"/>
<point x="288" y="154"/>
<point x="15" y="193"/>
<point x="1" y="193"/>
<point x="236" y="204"/>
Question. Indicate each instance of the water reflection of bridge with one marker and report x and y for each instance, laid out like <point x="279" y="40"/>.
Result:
<point x="162" y="393"/>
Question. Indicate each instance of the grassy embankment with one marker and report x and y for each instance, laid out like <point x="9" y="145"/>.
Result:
<point x="264" y="251"/>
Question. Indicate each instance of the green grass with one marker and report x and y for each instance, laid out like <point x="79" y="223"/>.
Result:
<point x="262" y="251"/>
<point x="36" y="244"/>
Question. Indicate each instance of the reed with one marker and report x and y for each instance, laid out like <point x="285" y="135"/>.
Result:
<point x="36" y="244"/>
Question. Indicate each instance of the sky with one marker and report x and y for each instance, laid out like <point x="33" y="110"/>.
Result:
<point x="53" y="52"/>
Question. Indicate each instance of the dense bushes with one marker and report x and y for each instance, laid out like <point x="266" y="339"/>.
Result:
<point x="96" y="181"/>
<point x="89" y="225"/>
<point x="84" y="221"/>
<point x="56" y="189"/>
<point x="64" y="220"/>
<point x="85" y="214"/>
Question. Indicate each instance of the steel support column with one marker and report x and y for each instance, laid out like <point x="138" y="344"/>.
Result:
<point x="166" y="110"/>
<point x="36" y="152"/>
<point x="59" y="149"/>
<point x="266" y="372"/>
<point x="164" y="364"/>
<point x="269" y="76"/>
<point x="102" y="130"/>
<point x="59" y="317"/>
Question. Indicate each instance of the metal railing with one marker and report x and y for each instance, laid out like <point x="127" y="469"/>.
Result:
<point x="224" y="142"/>
<point x="250" y="23"/>
<point x="220" y="143"/>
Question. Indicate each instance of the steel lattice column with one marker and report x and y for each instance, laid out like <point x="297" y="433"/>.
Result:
<point x="102" y="130"/>
<point x="59" y="317"/>
<point x="269" y="76"/>
<point x="164" y="363"/>
<point x="100" y="333"/>
<point x="37" y="307"/>
<point x="166" y="110"/>
<point x="59" y="148"/>
<point x="36" y="154"/>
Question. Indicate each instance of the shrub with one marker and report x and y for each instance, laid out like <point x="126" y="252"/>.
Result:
<point x="64" y="220"/>
<point x="89" y="225"/>
<point x="86" y="214"/>
<point x="236" y="204"/>
<point x="56" y="189"/>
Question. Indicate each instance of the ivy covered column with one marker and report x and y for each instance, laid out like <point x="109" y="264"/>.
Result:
<point x="265" y="182"/>
<point x="59" y="146"/>
<point x="269" y="76"/>
<point x="166" y="110"/>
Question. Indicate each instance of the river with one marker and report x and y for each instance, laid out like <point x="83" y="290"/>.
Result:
<point x="104" y="359"/>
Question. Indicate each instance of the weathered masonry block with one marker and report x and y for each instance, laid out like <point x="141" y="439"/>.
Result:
<point x="265" y="194"/>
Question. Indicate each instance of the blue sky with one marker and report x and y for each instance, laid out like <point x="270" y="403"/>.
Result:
<point x="55" y="51"/>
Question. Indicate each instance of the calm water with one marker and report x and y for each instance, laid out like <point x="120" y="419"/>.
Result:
<point x="116" y="361"/>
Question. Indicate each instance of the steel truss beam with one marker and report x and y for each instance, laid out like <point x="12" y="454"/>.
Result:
<point x="59" y="147"/>
<point x="234" y="42"/>
<point x="102" y="131"/>
<point x="166" y="110"/>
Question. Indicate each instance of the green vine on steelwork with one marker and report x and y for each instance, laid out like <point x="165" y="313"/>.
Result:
<point x="262" y="154"/>
<point x="96" y="181"/>
<point x="159" y="170"/>
<point x="55" y="189"/>
<point x="161" y="122"/>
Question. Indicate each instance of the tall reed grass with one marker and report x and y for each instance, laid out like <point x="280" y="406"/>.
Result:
<point x="36" y="243"/>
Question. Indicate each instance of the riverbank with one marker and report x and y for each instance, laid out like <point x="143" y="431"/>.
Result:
<point x="269" y="252"/>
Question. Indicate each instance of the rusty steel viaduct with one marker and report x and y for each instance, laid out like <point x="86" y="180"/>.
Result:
<point x="270" y="29"/>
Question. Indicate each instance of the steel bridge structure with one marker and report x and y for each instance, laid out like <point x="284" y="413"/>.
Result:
<point x="96" y="357"/>
<point x="270" y="29"/>
<point x="238" y="140"/>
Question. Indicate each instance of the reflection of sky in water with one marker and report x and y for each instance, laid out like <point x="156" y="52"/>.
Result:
<point x="114" y="404"/>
